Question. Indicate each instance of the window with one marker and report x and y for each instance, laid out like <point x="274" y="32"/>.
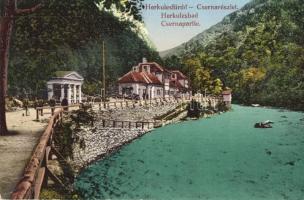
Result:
<point x="145" y="68"/>
<point x="158" y="92"/>
<point x="135" y="68"/>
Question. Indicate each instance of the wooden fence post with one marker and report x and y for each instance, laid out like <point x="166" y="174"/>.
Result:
<point x="37" y="114"/>
<point x="61" y="117"/>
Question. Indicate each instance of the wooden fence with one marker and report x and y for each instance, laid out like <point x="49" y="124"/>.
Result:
<point x="40" y="111"/>
<point x="138" y="103"/>
<point x="128" y="124"/>
<point x="36" y="172"/>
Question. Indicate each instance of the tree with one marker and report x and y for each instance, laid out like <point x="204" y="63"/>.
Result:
<point x="249" y="82"/>
<point x="217" y="87"/>
<point x="200" y="76"/>
<point x="9" y="10"/>
<point x="202" y="80"/>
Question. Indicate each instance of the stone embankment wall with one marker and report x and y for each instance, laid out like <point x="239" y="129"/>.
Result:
<point x="92" y="142"/>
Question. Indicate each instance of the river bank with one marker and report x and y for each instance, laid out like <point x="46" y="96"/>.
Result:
<point x="223" y="157"/>
<point x="87" y="137"/>
<point x="93" y="142"/>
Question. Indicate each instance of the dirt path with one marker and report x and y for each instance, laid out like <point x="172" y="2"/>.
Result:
<point x="16" y="149"/>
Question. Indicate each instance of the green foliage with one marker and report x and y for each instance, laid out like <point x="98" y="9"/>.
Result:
<point x="68" y="35"/>
<point x="195" y="109"/>
<point x="50" y="193"/>
<point x="64" y="139"/>
<point x="217" y="87"/>
<point x="132" y="7"/>
<point x="261" y="57"/>
<point x="200" y="75"/>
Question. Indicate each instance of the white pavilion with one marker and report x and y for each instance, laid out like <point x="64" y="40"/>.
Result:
<point x="65" y="84"/>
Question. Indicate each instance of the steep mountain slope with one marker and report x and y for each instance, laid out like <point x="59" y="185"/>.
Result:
<point x="261" y="55"/>
<point x="201" y="39"/>
<point x="210" y="35"/>
<point x="68" y="35"/>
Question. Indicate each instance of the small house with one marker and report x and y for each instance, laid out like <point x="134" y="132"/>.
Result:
<point x="227" y="97"/>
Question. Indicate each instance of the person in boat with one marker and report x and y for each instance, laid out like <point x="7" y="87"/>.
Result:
<point x="266" y="124"/>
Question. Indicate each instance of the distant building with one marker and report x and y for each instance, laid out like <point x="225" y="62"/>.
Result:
<point x="227" y="97"/>
<point x="150" y="80"/>
<point x="65" y="84"/>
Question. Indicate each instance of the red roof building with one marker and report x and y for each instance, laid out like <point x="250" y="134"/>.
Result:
<point x="139" y="77"/>
<point x="149" y="79"/>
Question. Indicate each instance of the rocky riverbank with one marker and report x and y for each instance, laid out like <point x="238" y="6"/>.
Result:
<point x="90" y="140"/>
<point x="85" y="137"/>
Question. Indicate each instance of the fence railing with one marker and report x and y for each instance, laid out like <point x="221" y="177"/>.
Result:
<point x="40" y="110"/>
<point x="139" y="103"/>
<point x="128" y="124"/>
<point x="36" y="172"/>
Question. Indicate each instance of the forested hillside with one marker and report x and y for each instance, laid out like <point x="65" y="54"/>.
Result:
<point x="68" y="35"/>
<point x="261" y="57"/>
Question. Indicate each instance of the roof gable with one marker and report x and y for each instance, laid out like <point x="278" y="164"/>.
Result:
<point x="139" y="77"/>
<point x="68" y="75"/>
<point x="153" y="66"/>
<point x="179" y="74"/>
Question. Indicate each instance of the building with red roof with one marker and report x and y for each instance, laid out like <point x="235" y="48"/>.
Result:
<point x="149" y="79"/>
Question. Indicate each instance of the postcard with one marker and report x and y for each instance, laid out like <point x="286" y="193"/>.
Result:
<point x="152" y="99"/>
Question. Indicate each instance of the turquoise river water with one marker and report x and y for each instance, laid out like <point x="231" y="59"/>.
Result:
<point x="219" y="158"/>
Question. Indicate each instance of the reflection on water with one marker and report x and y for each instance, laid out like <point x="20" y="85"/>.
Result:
<point x="223" y="157"/>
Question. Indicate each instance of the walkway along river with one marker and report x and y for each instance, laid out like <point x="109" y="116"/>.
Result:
<point x="222" y="157"/>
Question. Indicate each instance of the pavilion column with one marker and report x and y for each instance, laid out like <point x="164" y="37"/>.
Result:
<point x="50" y="90"/>
<point x="75" y="93"/>
<point x="69" y="93"/>
<point x="62" y="93"/>
<point x="79" y="93"/>
<point x="152" y="90"/>
<point x="136" y="89"/>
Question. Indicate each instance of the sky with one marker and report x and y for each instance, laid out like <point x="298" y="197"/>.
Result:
<point x="165" y="37"/>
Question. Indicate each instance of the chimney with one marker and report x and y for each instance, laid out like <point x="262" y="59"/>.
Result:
<point x="144" y="60"/>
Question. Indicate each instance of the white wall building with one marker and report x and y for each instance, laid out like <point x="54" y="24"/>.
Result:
<point x="65" y="84"/>
<point x="150" y="80"/>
